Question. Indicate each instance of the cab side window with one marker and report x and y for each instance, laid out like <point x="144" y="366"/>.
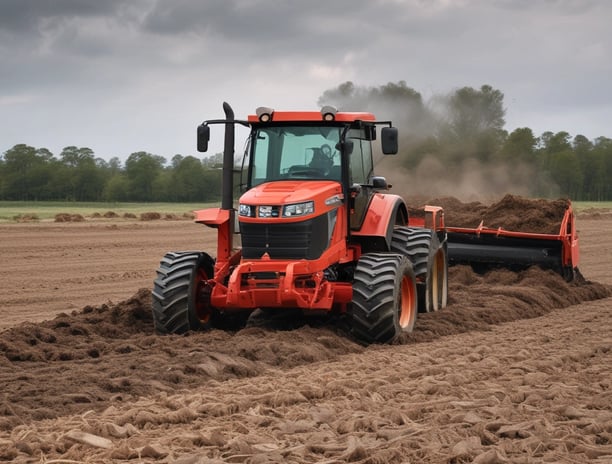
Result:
<point x="361" y="158"/>
<point x="260" y="159"/>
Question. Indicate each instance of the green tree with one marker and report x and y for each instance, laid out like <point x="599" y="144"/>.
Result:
<point x="25" y="173"/>
<point x="566" y="170"/>
<point x="592" y="167"/>
<point x="175" y="161"/>
<point x="142" y="169"/>
<point x="474" y="123"/>
<point x="84" y="175"/>
<point x="555" y="143"/>
<point x="188" y="179"/>
<point x="581" y="145"/>
<point x="212" y="181"/>
<point x="117" y="188"/>
<point x="163" y="187"/>
<point x="560" y="163"/>
<point x="520" y="146"/>
<point x="602" y="155"/>
<point x="114" y="166"/>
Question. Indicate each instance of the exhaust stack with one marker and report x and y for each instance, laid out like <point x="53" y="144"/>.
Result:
<point x="227" y="196"/>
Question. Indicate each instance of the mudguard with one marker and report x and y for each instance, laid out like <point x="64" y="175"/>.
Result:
<point x="384" y="212"/>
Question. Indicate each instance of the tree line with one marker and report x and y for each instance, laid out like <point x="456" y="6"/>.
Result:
<point x="466" y="124"/>
<point x="35" y="174"/>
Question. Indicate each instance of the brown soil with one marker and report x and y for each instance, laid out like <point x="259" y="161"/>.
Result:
<point x="66" y="217"/>
<point x="26" y="218"/>
<point x="596" y="213"/>
<point x="511" y="213"/>
<point x="516" y="369"/>
<point x="151" y="216"/>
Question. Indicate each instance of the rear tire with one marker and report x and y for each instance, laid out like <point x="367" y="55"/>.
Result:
<point x="384" y="298"/>
<point x="430" y="262"/>
<point x="178" y="305"/>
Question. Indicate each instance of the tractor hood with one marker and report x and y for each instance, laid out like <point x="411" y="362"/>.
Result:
<point x="290" y="200"/>
<point x="287" y="192"/>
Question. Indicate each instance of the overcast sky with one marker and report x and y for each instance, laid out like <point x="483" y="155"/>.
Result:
<point x="120" y="76"/>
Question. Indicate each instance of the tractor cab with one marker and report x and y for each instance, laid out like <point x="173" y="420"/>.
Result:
<point x="295" y="160"/>
<point x="313" y="145"/>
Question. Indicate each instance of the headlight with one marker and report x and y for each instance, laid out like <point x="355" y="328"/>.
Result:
<point x="298" y="209"/>
<point x="246" y="210"/>
<point x="268" y="211"/>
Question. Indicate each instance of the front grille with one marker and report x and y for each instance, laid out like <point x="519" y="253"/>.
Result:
<point x="296" y="240"/>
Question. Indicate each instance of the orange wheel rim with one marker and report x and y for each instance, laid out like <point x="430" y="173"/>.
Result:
<point x="407" y="303"/>
<point x="436" y="280"/>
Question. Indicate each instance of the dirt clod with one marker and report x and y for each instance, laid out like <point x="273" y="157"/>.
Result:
<point x="150" y="216"/>
<point x="65" y="217"/>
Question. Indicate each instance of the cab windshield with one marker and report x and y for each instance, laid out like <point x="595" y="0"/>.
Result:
<point x="295" y="152"/>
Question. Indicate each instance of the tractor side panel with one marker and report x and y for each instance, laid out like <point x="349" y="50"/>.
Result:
<point x="384" y="212"/>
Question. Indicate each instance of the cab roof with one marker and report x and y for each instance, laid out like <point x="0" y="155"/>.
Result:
<point x="313" y="116"/>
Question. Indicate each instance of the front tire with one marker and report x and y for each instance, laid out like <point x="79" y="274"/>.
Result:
<point x="178" y="303"/>
<point x="384" y="298"/>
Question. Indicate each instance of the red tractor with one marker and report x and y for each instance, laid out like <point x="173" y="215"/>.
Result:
<point x="319" y="232"/>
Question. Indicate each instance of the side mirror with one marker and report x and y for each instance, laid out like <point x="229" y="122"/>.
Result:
<point x="203" y="137"/>
<point x="379" y="182"/>
<point x="388" y="140"/>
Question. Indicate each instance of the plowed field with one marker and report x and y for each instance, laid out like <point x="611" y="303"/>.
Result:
<point x="518" y="367"/>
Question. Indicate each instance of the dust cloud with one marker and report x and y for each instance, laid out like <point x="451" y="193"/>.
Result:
<point x="434" y="158"/>
<point x="470" y="180"/>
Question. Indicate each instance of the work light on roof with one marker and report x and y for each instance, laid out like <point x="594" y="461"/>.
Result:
<point x="328" y="113"/>
<point x="264" y="114"/>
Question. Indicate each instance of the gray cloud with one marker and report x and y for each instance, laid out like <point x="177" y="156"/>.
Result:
<point x="267" y="20"/>
<point x="127" y="75"/>
<point x="31" y="17"/>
